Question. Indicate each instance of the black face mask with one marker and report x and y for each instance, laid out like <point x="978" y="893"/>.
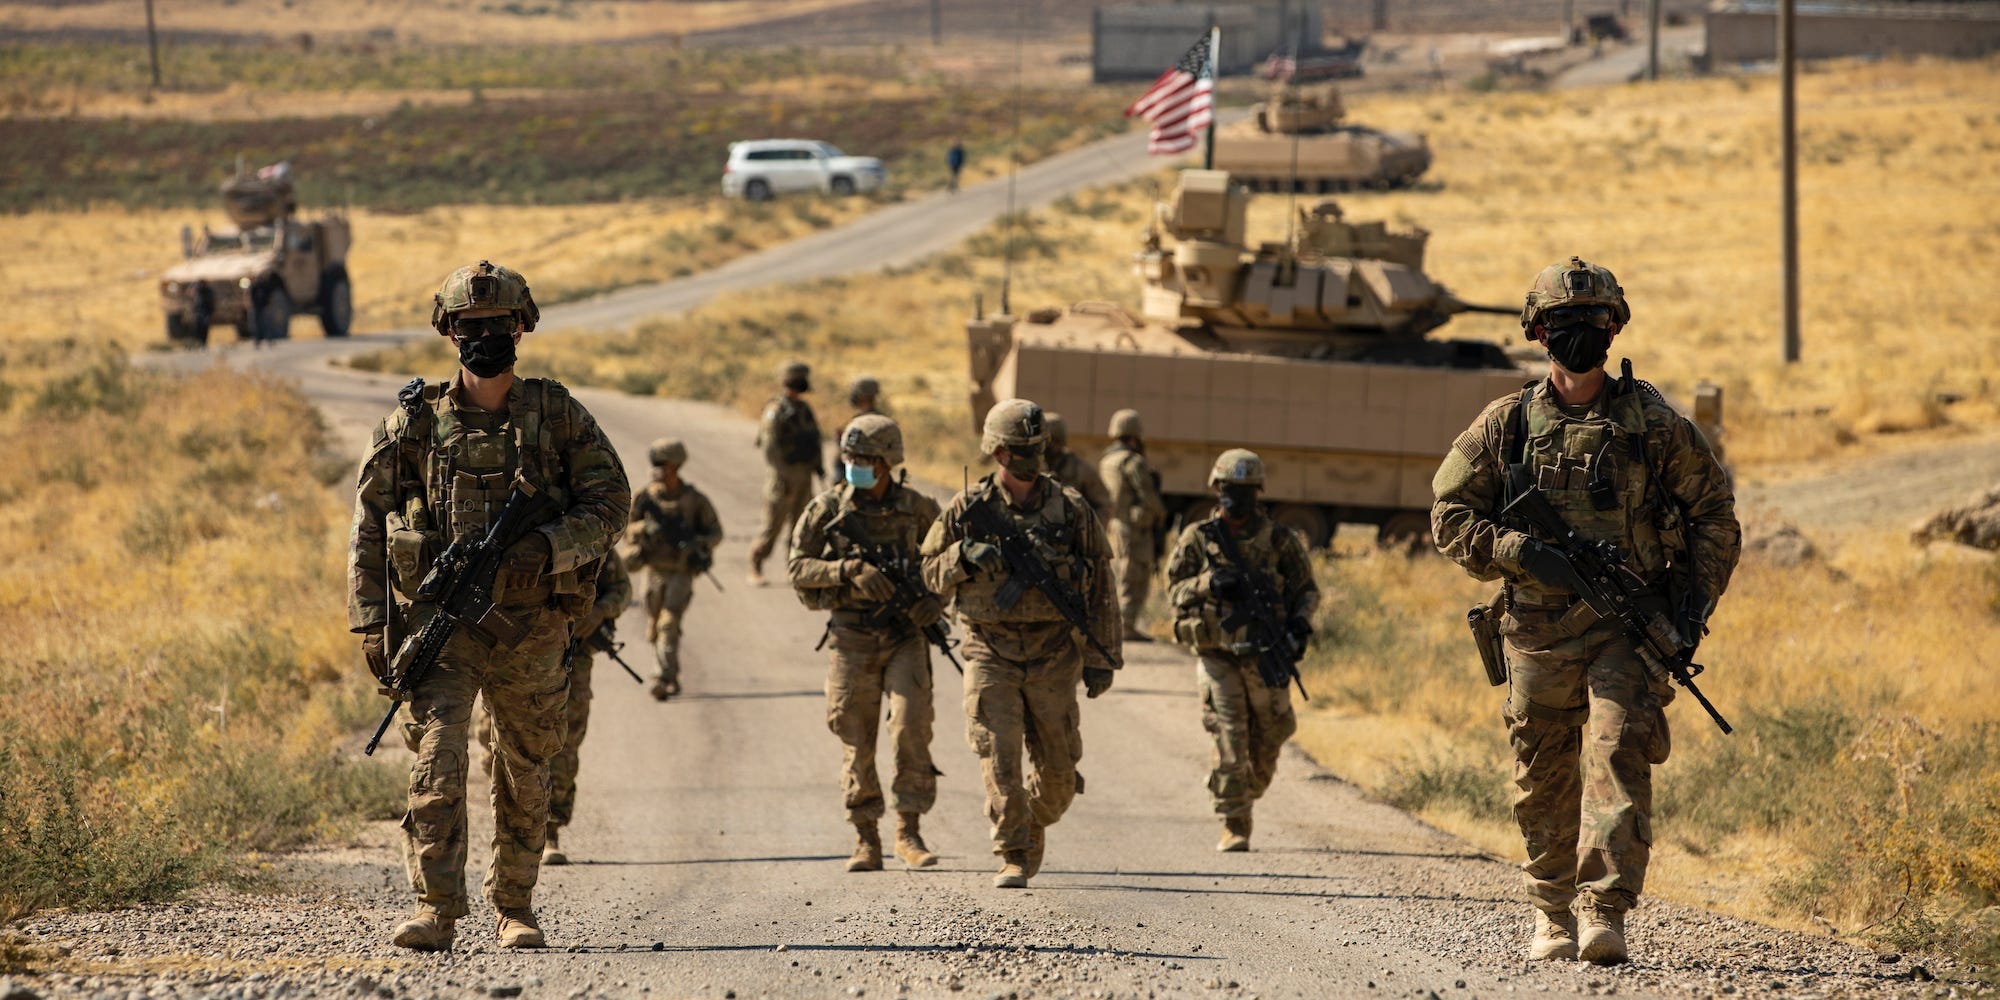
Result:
<point x="1579" y="349"/>
<point x="1238" y="502"/>
<point x="1023" y="465"/>
<point x="487" y="356"/>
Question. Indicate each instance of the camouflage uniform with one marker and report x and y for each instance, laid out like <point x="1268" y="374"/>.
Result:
<point x="452" y="466"/>
<point x="1248" y="720"/>
<point x="1069" y="469"/>
<point x="1584" y="717"/>
<point x="669" y="572"/>
<point x="788" y="434"/>
<point x="1022" y="664"/>
<point x="867" y="661"/>
<point x="1136" y="510"/>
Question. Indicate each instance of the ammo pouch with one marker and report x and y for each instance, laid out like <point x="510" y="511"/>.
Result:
<point x="576" y="591"/>
<point x="1484" y="620"/>
<point x="1200" y="627"/>
<point x="411" y="552"/>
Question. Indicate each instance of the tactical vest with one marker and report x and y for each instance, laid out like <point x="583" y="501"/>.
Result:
<point x="897" y="524"/>
<point x="797" y="432"/>
<point x="655" y="504"/>
<point x="1200" y="626"/>
<point x="1053" y="528"/>
<point x="465" y="461"/>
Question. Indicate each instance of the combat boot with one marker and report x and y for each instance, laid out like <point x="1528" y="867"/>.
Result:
<point x="1037" y="840"/>
<point x="756" y="575"/>
<point x="867" y="849"/>
<point x="1013" y="873"/>
<point x="426" y="930"/>
<point x="910" y="842"/>
<point x="1555" y="937"/>
<point x="1603" y="941"/>
<point x="552" y="854"/>
<point x="519" y="929"/>
<point x="661" y="691"/>
<point x="1235" y="834"/>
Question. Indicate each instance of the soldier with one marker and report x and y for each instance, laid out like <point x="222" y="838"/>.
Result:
<point x="1022" y="658"/>
<point x="789" y="437"/>
<point x="1584" y="716"/>
<point x="1069" y="468"/>
<point x="614" y="595"/>
<point x="847" y="543"/>
<point x="672" y="534"/>
<point x="1136" y="511"/>
<point x="1249" y="720"/>
<point x="865" y="395"/>
<point x="440" y="469"/>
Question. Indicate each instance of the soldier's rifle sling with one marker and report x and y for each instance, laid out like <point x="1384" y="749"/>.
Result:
<point x="679" y="534"/>
<point x="1027" y="569"/>
<point x="1278" y="654"/>
<point x="895" y="611"/>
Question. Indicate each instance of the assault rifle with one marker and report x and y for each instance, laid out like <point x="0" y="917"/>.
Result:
<point x="460" y="583"/>
<point x="1026" y="568"/>
<point x="599" y="640"/>
<point x="677" y="534"/>
<point x="910" y="590"/>
<point x="1614" y="591"/>
<point x="1259" y="611"/>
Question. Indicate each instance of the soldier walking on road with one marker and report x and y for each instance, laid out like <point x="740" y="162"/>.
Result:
<point x="441" y="468"/>
<point x="1023" y="658"/>
<point x="849" y="542"/>
<point x="1069" y="468"/>
<point x="614" y="595"/>
<point x="1136" y="511"/>
<point x="788" y="434"/>
<point x="1248" y="719"/>
<point x="672" y="535"/>
<point x="1585" y="715"/>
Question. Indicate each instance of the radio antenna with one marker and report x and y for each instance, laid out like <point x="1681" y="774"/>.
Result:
<point x="1013" y="165"/>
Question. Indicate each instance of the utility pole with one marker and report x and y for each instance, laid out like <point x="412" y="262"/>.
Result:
<point x="937" y="22"/>
<point x="1788" y="55"/>
<point x="1381" y="15"/>
<point x="153" y="44"/>
<point x="1569" y="21"/>
<point x="1652" y="40"/>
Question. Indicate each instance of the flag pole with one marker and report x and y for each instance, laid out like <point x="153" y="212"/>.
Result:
<point x="1214" y="73"/>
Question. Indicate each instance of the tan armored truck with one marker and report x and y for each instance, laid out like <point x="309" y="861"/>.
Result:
<point x="1312" y="352"/>
<point x="1296" y="141"/>
<point x="256" y="276"/>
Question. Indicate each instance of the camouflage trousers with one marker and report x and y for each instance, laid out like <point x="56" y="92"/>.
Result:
<point x="863" y="666"/>
<point x="528" y="691"/>
<point x="1249" y="722"/>
<point x="1020" y="694"/>
<point x="1586" y="727"/>
<point x="666" y="598"/>
<point x="1132" y="565"/>
<point x="563" y="766"/>
<point x="787" y="489"/>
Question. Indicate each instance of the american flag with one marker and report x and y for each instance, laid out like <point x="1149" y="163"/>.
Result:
<point x="1180" y="103"/>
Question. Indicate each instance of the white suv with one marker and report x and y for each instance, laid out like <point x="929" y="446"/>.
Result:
<point x="764" y="168"/>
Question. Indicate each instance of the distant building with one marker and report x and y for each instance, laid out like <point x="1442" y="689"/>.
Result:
<point x="1742" y="31"/>
<point x="1138" y="41"/>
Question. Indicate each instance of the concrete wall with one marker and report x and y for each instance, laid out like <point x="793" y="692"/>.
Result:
<point x="1137" y="42"/>
<point x="1747" y="33"/>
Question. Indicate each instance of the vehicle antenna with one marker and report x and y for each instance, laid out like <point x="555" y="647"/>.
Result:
<point x="1292" y="185"/>
<point x="1013" y="165"/>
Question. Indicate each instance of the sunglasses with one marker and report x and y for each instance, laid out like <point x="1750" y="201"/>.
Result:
<point x="471" y="327"/>
<point x="1562" y="316"/>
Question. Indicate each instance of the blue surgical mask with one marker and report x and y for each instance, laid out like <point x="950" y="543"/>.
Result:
<point x="861" y="477"/>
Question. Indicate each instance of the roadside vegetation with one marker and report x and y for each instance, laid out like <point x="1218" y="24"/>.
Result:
<point x="1859" y="794"/>
<point x="175" y="685"/>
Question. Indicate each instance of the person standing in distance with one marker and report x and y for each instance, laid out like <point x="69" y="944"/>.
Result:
<point x="672" y="535"/>
<point x="1584" y="715"/>
<point x="440" y="470"/>
<point x="954" y="161"/>
<point x="1248" y="719"/>
<point x="789" y="437"/>
<point x="1023" y="661"/>
<point x="869" y="658"/>
<point x="1136" y="510"/>
<point x="1069" y="468"/>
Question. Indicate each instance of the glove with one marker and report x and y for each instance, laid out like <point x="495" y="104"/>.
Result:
<point x="1551" y="568"/>
<point x="1301" y="630"/>
<point x="927" y="612"/>
<point x="873" y="585"/>
<point x="375" y="652"/>
<point x="1096" y="681"/>
<point x="521" y="567"/>
<point x="983" y="556"/>
<point x="1225" y="584"/>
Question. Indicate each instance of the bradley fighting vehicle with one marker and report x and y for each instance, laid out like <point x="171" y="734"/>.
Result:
<point x="258" y="275"/>
<point x="1312" y="353"/>
<point x="1296" y="141"/>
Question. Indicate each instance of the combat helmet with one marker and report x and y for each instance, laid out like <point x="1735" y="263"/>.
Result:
<point x="792" y="370"/>
<point x="1058" y="430"/>
<point x="864" y="387"/>
<point x="1575" y="282"/>
<point x="1125" y="423"/>
<point x="667" y="451"/>
<point x="1237" y="467"/>
<point x="872" y="435"/>
<point x="1014" y="424"/>
<point x="484" y="285"/>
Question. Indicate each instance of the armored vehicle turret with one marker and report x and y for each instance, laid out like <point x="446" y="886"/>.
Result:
<point x="1297" y="140"/>
<point x="267" y="268"/>
<point x="1313" y="352"/>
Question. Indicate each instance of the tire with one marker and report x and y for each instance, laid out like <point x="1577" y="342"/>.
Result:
<point x="1308" y="520"/>
<point x="843" y="187"/>
<point x="336" y="303"/>
<point x="273" y="320"/>
<point x="757" y="190"/>
<point x="1408" y="532"/>
<point x="198" y="324"/>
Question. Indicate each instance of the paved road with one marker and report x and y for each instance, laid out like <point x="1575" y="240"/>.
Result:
<point x="1625" y="63"/>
